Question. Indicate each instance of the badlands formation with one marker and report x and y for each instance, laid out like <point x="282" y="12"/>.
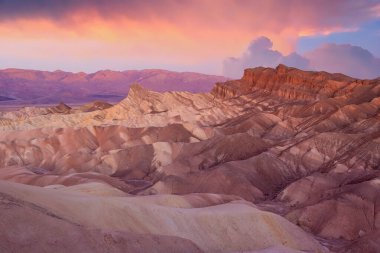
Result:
<point x="282" y="160"/>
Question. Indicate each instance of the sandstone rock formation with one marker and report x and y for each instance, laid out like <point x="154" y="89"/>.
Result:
<point x="215" y="170"/>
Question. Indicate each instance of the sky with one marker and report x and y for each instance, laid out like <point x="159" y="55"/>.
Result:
<point x="219" y="37"/>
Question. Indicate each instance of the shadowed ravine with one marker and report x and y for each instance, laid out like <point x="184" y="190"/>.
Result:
<point x="282" y="160"/>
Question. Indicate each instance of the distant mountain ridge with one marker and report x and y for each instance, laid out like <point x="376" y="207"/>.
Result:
<point x="19" y="86"/>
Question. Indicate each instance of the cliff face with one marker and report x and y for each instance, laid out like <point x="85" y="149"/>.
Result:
<point x="304" y="147"/>
<point x="292" y="84"/>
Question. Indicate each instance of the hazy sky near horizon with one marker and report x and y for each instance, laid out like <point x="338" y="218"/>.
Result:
<point x="208" y="36"/>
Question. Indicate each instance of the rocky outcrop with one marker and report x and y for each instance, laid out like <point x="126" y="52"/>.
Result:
<point x="95" y="106"/>
<point x="294" y="84"/>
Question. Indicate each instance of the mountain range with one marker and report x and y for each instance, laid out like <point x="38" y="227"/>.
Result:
<point x="23" y="87"/>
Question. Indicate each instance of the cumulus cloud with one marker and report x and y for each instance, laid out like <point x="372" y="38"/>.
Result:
<point x="260" y="53"/>
<point x="296" y="60"/>
<point x="347" y="59"/>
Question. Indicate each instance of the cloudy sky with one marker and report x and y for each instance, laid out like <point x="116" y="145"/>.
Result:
<point x="209" y="36"/>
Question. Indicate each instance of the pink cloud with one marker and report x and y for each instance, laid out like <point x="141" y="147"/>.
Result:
<point x="182" y="33"/>
<point x="347" y="59"/>
<point x="351" y="60"/>
<point x="261" y="53"/>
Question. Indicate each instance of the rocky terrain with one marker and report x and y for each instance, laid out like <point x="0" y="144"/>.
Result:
<point x="32" y="87"/>
<point x="282" y="160"/>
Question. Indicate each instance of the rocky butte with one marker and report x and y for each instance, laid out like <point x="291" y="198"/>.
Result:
<point x="282" y="160"/>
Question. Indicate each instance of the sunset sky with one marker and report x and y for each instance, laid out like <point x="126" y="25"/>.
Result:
<point x="208" y="36"/>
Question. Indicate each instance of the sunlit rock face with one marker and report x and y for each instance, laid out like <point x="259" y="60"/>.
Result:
<point x="282" y="160"/>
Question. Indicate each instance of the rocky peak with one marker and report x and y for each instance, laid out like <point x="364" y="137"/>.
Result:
<point x="142" y="99"/>
<point x="137" y="93"/>
<point x="281" y="69"/>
